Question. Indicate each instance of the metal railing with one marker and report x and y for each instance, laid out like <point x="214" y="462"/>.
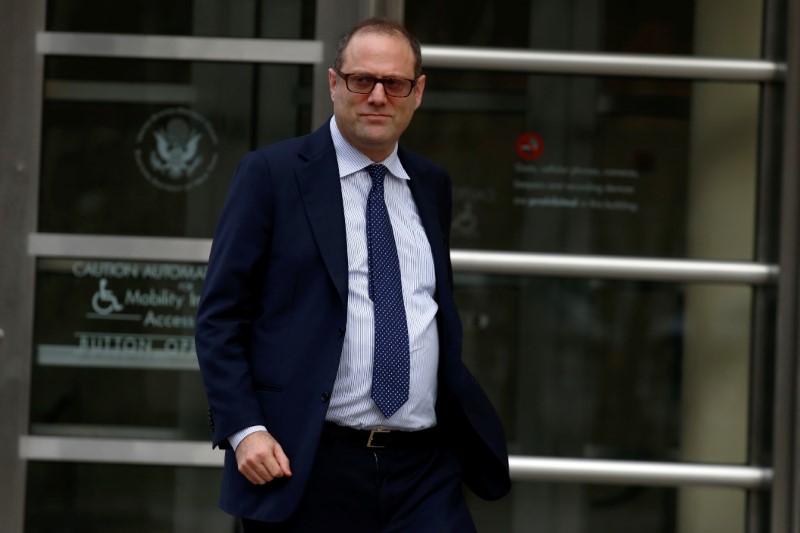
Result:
<point x="505" y="263"/>
<point x="523" y="468"/>
<point x="179" y="48"/>
<point x="604" y="267"/>
<point x="638" y="473"/>
<point x="599" y="64"/>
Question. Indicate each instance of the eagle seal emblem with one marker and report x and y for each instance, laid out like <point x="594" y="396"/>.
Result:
<point x="176" y="149"/>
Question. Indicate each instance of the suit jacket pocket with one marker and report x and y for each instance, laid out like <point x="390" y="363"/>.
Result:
<point x="267" y="387"/>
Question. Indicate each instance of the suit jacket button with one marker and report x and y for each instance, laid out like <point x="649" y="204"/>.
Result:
<point x="341" y="331"/>
<point x="325" y="396"/>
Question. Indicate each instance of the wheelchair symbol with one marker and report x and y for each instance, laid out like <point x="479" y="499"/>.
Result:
<point x="104" y="302"/>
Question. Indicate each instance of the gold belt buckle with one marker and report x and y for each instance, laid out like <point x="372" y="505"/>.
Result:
<point x="372" y="436"/>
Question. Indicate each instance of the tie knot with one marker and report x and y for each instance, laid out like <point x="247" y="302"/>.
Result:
<point x="377" y="172"/>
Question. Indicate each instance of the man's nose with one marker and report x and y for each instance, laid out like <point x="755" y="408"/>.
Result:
<point x="378" y="95"/>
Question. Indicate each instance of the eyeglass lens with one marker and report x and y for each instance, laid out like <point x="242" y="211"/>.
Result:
<point x="392" y="86"/>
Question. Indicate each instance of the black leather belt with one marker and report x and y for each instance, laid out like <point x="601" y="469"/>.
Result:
<point x="381" y="438"/>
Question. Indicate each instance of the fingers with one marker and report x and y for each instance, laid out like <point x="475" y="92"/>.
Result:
<point x="261" y="459"/>
<point x="282" y="460"/>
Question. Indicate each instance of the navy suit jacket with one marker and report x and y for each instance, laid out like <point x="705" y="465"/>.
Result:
<point x="272" y="319"/>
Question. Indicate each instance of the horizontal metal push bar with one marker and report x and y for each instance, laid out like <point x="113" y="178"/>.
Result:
<point x="115" y="247"/>
<point x="505" y="263"/>
<point x="200" y="454"/>
<point x="180" y="48"/>
<point x="600" y="64"/>
<point x="608" y="472"/>
<point x="311" y="52"/>
<point x="606" y="267"/>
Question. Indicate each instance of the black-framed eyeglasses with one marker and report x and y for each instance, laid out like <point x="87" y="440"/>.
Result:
<point x="364" y="84"/>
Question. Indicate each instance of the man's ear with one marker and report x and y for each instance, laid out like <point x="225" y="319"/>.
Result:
<point x="419" y="88"/>
<point x="332" y="81"/>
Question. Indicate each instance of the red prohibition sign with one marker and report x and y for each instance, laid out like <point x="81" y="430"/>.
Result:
<point x="530" y="146"/>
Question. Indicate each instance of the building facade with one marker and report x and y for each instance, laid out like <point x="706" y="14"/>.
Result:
<point x="626" y="184"/>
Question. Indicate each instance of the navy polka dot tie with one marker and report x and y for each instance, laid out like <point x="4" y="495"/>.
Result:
<point x="390" y="371"/>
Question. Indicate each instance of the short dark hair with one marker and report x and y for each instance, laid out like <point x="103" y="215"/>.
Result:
<point x="380" y="25"/>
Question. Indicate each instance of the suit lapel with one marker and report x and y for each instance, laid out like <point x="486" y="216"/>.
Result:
<point x="320" y="188"/>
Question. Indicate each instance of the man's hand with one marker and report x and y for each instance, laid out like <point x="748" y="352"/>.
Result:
<point x="261" y="459"/>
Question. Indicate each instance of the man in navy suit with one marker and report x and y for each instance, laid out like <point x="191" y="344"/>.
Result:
<point x="287" y="327"/>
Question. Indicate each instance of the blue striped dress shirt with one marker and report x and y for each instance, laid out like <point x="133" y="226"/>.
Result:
<point x="350" y="403"/>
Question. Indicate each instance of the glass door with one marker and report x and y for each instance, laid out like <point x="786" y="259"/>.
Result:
<point x="617" y="174"/>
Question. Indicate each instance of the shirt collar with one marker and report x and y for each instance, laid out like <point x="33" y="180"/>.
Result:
<point x="350" y="160"/>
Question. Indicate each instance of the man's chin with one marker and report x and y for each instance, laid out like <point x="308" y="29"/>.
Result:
<point x="377" y="136"/>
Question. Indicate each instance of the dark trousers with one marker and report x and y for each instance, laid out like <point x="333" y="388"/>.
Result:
<point x="356" y="489"/>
